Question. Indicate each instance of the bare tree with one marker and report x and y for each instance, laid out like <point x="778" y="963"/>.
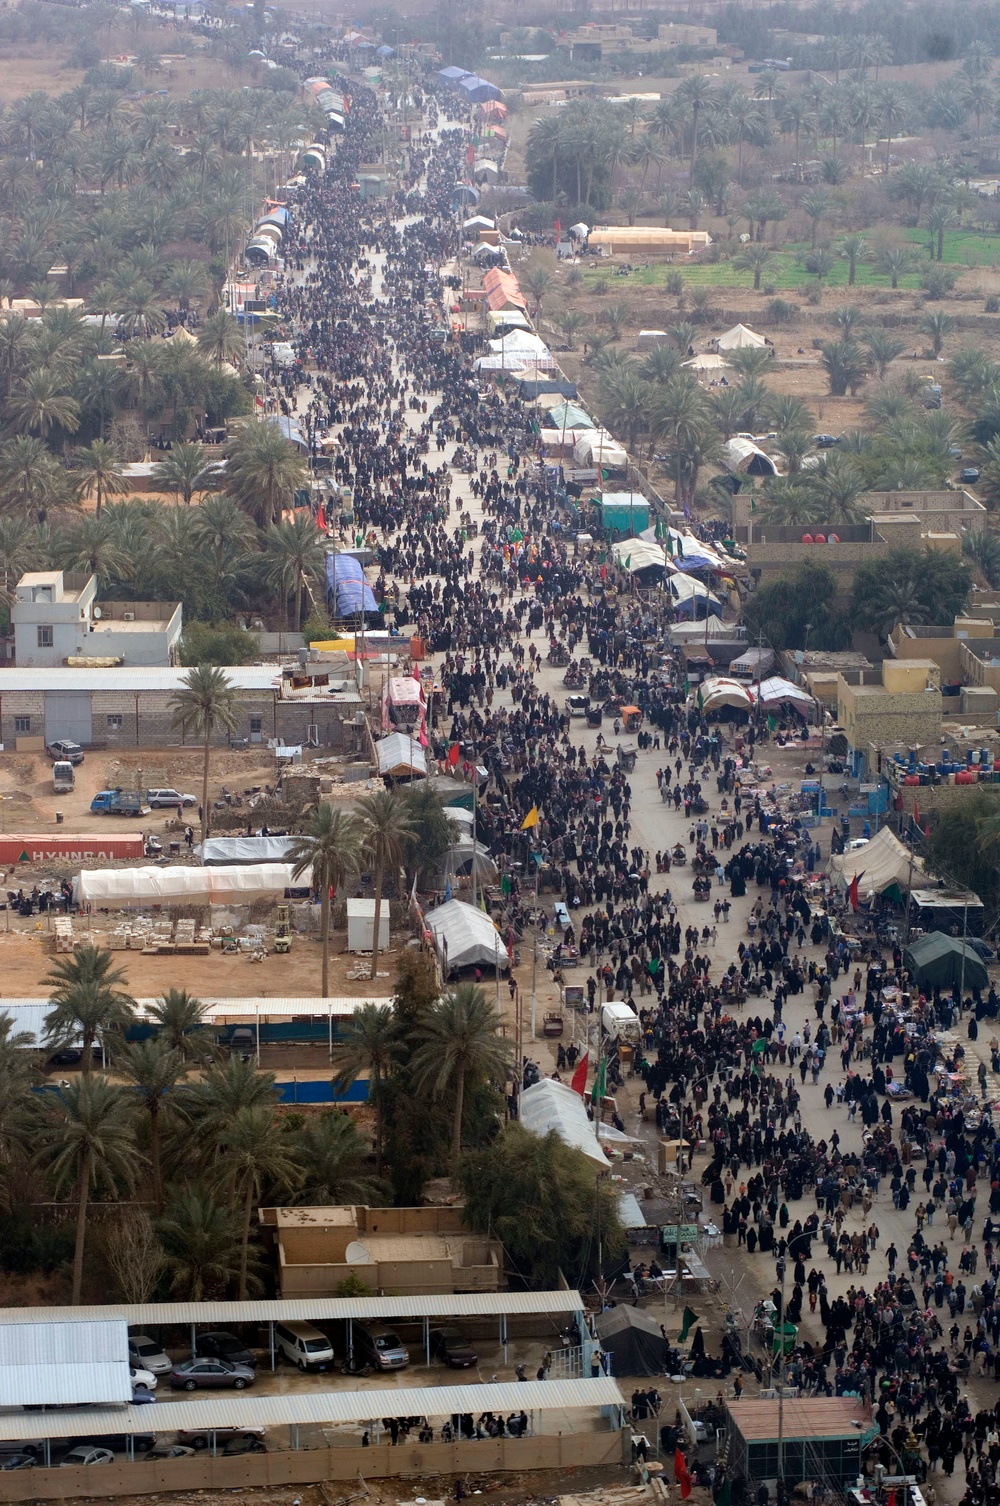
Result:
<point x="133" y="1253"/>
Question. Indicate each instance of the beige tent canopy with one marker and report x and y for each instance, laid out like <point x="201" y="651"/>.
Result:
<point x="880" y="864"/>
<point x="649" y="238"/>
<point x="740" y="338"/>
<point x="707" y="363"/>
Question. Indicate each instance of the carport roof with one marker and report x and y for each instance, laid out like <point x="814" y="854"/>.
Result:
<point x="309" y="1309"/>
<point x="300" y="1408"/>
<point x="154" y="677"/>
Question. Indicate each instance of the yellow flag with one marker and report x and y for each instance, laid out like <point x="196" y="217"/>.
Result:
<point x="531" y="819"/>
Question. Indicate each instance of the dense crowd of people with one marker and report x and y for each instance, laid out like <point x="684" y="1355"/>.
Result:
<point x="362" y="287"/>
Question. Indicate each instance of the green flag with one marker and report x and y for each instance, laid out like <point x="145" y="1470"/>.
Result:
<point x="724" y="1497"/>
<point x="628" y="562"/>
<point x="680" y="547"/>
<point x="658" y="531"/>
<point x="688" y="1317"/>
<point x="505" y="884"/>
<point x="599" y="1089"/>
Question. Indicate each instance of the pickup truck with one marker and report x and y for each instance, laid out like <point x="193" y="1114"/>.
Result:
<point x="119" y="803"/>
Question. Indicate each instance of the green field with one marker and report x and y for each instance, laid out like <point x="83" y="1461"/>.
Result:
<point x="786" y="271"/>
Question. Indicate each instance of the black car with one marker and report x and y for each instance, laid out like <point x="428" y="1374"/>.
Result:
<point x="970" y="475"/>
<point x="825" y="441"/>
<point x="225" y="1346"/>
<point x="72" y="1056"/>
<point x="448" y="1346"/>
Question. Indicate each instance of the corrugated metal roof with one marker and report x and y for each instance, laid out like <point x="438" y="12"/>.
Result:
<point x="243" y="677"/>
<point x="323" y="1407"/>
<point x="64" y="1364"/>
<point x="306" y="1309"/>
<point x="29" y="1014"/>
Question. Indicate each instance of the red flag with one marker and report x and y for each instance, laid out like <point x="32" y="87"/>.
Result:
<point x="558" y="228"/>
<point x="852" y="893"/>
<point x="579" y="1080"/>
<point x="681" y="1474"/>
<point x="470" y="154"/>
<point x="892" y="1497"/>
<point x="453" y="755"/>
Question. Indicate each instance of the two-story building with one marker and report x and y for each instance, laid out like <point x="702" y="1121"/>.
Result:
<point x="57" y="621"/>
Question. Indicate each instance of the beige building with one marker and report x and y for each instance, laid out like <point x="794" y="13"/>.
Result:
<point x="942" y="644"/>
<point x="400" y="1251"/>
<point x="905" y="710"/>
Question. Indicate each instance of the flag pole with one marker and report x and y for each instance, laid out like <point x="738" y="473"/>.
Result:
<point x="475" y="885"/>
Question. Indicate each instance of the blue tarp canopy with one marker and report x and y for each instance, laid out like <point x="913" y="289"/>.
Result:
<point x="277" y="216"/>
<point x="452" y="75"/>
<point x="347" y="590"/>
<point x="479" y="90"/>
<point x="291" y="429"/>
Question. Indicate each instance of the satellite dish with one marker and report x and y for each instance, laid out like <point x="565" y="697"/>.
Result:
<point x="98" y="614"/>
<point x="356" y="1254"/>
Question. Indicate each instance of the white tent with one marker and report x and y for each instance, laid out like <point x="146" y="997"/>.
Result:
<point x="597" y="447"/>
<point x="693" y="632"/>
<point x="684" y="589"/>
<point x="690" y="553"/>
<point x="878" y="865"/>
<point x="744" y="458"/>
<point x="649" y="339"/>
<point x="225" y="850"/>
<point x="707" y="363"/>
<point x="640" y="555"/>
<point x="463" y="855"/>
<point x="466" y="937"/>
<point x="549" y="1105"/>
<point x="400" y="756"/>
<point x="720" y="690"/>
<point x="117" y="888"/>
<point x="740" y="338"/>
<point x="460" y="815"/>
<point x="520" y="342"/>
<point x="776" y="689"/>
<point x="479" y="222"/>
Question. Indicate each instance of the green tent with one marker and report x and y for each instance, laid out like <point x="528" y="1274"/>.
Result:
<point x="936" y="961"/>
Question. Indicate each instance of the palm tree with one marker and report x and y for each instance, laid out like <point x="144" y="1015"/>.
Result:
<point x="18" y="552"/>
<point x="88" y="1142"/>
<point x="839" y="484"/>
<point x="894" y="262"/>
<point x="220" y="338"/>
<point x="334" y="1157"/>
<point x="187" y="282"/>
<point x="222" y="1091"/>
<point x="753" y="258"/>
<point x="795" y="116"/>
<point x="294" y="555"/>
<point x="89" y="1001"/>
<point x="207" y="701"/>
<point x="265" y="471"/>
<point x="461" y="1041"/>
<point x="371" y="1044"/>
<point x="184" y="471"/>
<point x="883" y="349"/>
<point x="331" y="850"/>
<point x="29" y="474"/>
<point x="696" y="92"/>
<point x="201" y="1242"/>
<point x="100" y="470"/>
<point x="92" y="545"/>
<point x="936" y="327"/>
<point x="853" y="249"/>
<point x="40" y="403"/>
<point x="940" y="218"/>
<point x="154" y="1069"/>
<point x="254" y="1151"/>
<point x="387" y="828"/>
<point x="183" y="1024"/>
<point x="815" y="206"/>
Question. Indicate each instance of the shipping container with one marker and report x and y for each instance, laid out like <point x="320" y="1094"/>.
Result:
<point x="61" y="847"/>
